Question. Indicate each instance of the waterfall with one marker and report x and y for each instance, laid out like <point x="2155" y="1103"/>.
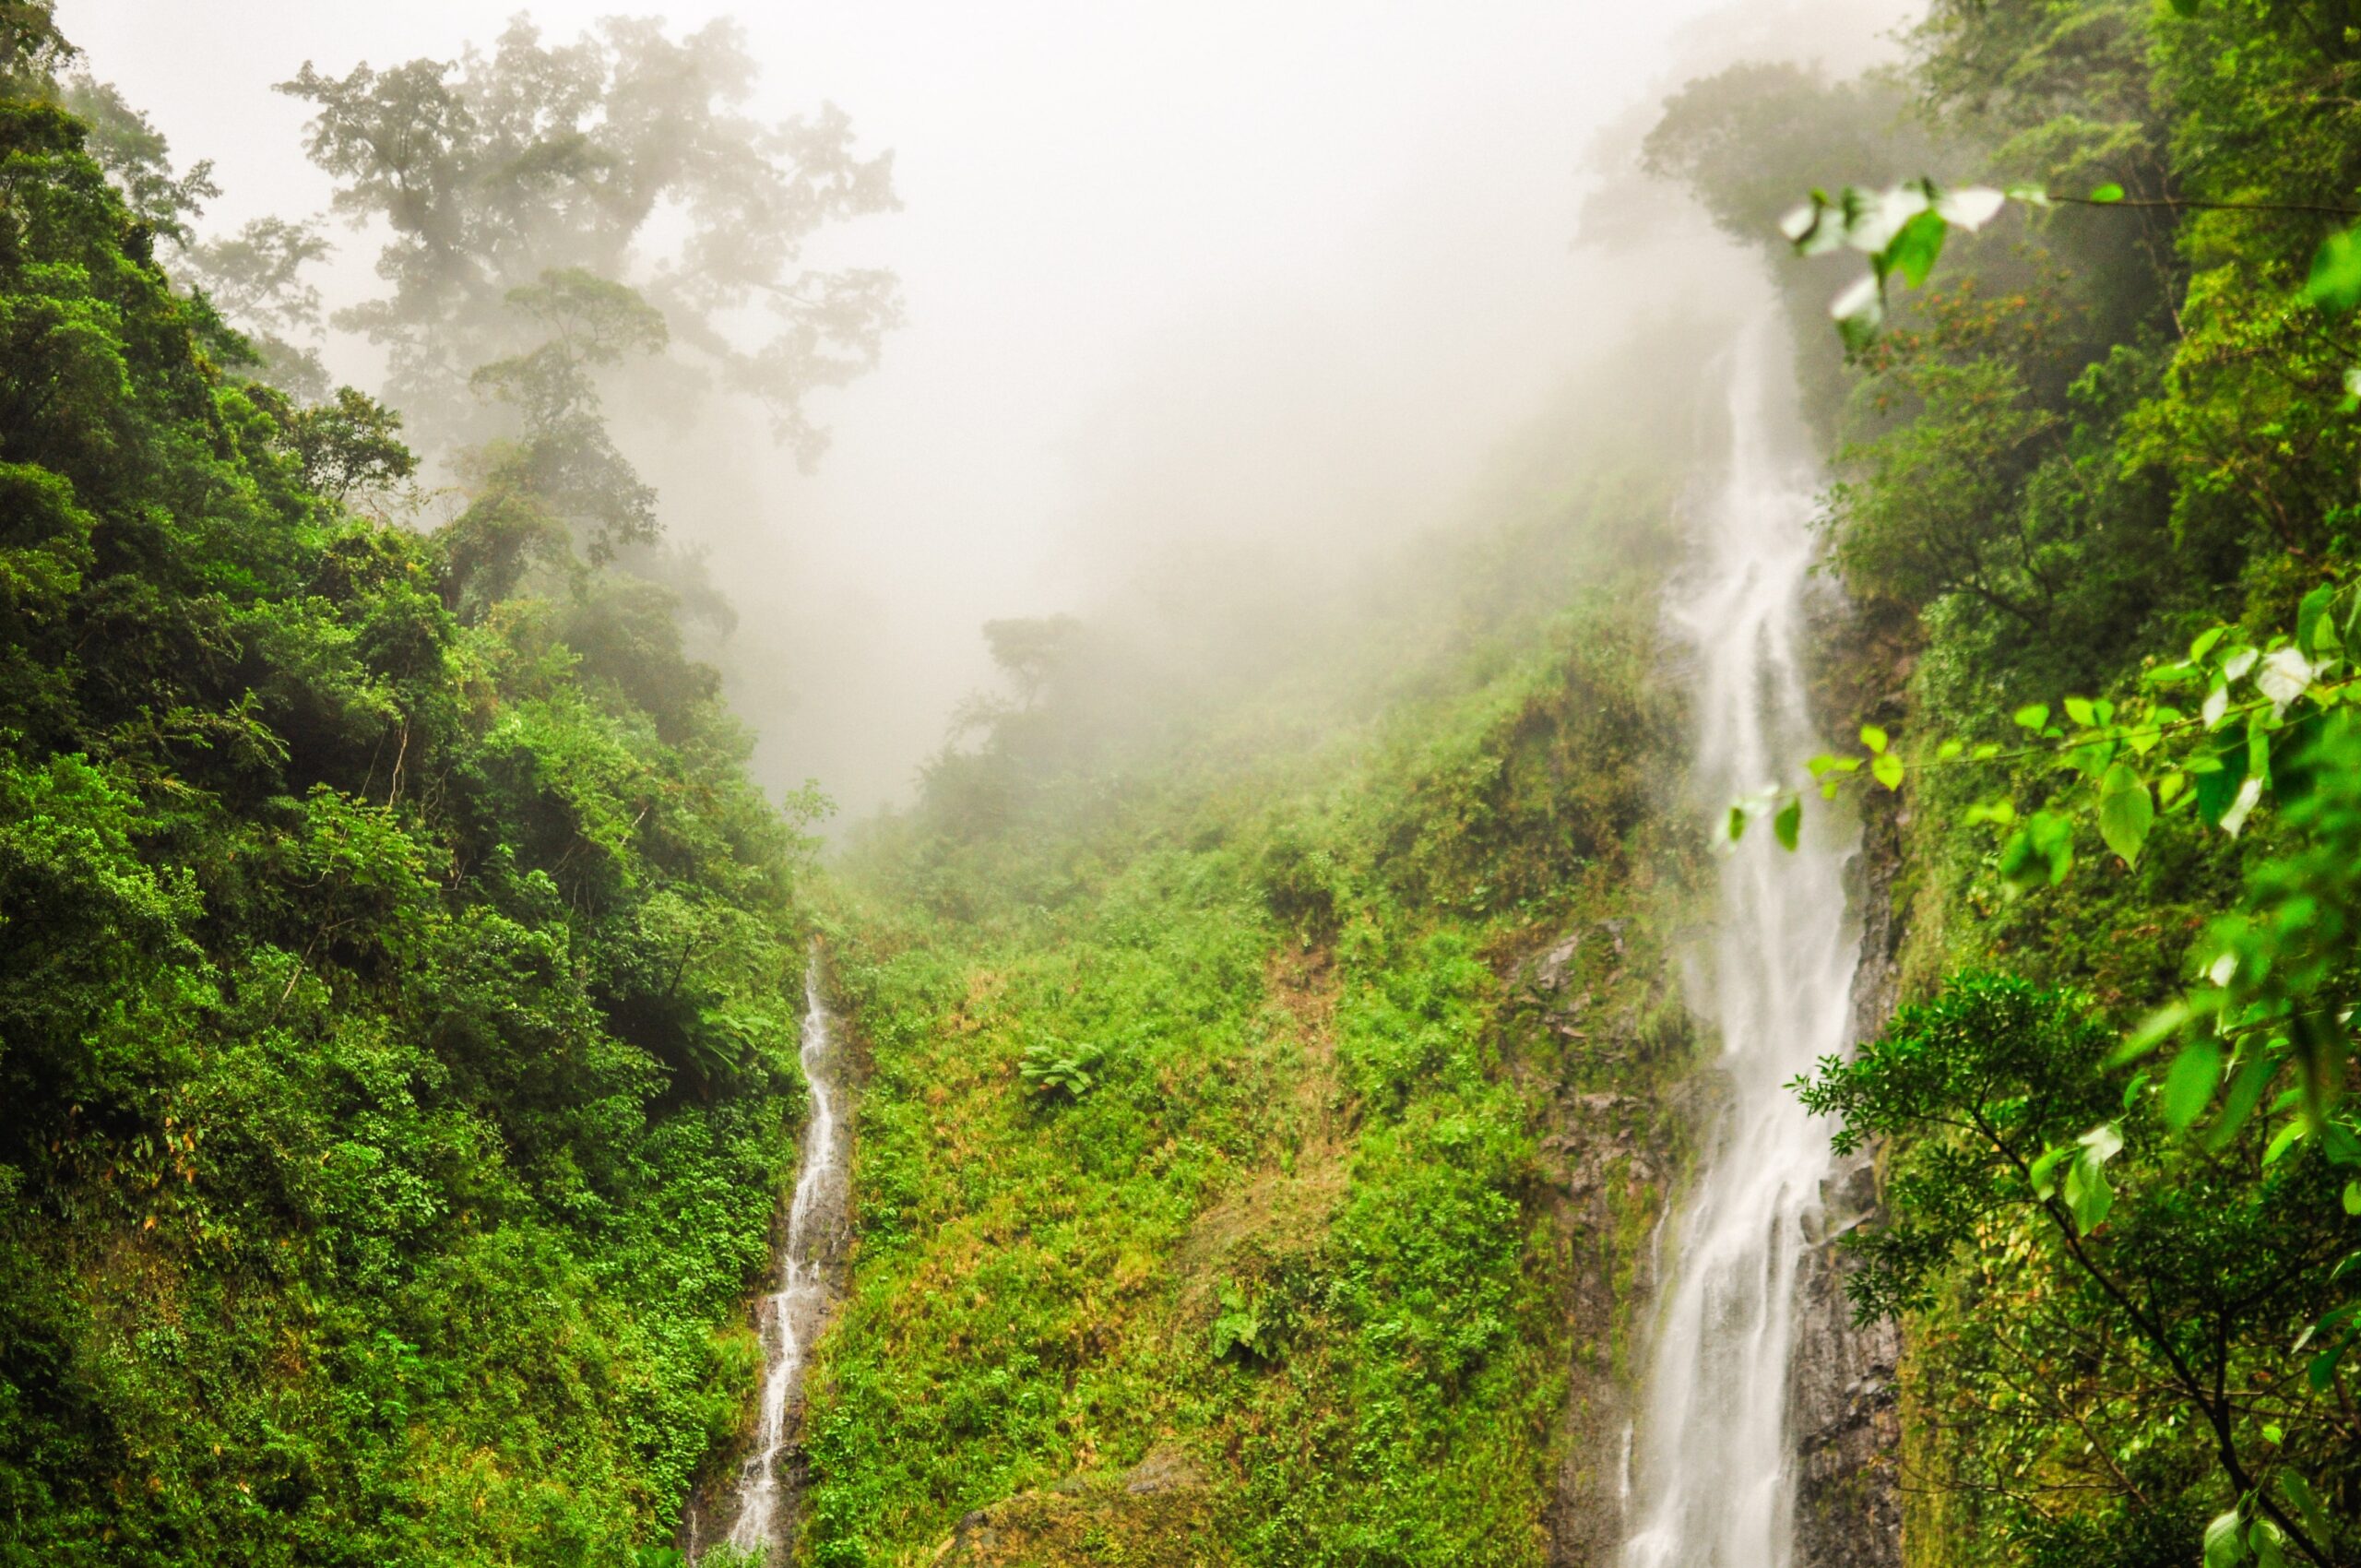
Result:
<point x="1714" y="1486"/>
<point x="792" y="1315"/>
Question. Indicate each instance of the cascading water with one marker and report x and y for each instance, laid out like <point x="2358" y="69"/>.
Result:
<point x="792" y="1316"/>
<point x="1715" y="1483"/>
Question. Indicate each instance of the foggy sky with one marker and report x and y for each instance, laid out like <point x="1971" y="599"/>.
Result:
<point x="1264" y="276"/>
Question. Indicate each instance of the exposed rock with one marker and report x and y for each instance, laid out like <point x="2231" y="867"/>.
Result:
<point x="1844" y="1400"/>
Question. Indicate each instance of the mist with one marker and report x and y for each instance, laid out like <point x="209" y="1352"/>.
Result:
<point x="1204" y="307"/>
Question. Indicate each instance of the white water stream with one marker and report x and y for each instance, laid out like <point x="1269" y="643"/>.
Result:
<point x="1715" y="1483"/>
<point x="792" y="1315"/>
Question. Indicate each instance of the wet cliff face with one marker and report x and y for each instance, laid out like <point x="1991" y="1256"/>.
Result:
<point x="1843" y="1396"/>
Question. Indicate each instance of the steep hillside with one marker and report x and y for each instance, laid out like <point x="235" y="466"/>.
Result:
<point x="395" y="1000"/>
<point x="1275" y="1183"/>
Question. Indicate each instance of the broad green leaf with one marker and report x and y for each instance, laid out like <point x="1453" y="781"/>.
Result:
<point x="2246" y="1093"/>
<point x="2353" y="1197"/>
<point x="2126" y="813"/>
<point x="2217" y="785"/>
<point x="2263" y="1536"/>
<point x="2234" y="820"/>
<point x="2086" y="1192"/>
<point x="1887" y="770"/>
<point x="2189" y="1086"/>
<point x="1983" y="753"/>
<point x="2203" y="644"/>
<point x="2033" y="715"/>
<point x="2226" y="1545"/>
<point x="2312" y="618"/>
<point x="2307" y="1503"/>
<point x="2335" y="281"/>
<point x="1873" y="738"/>
<point x="2159" y="1027"/>
<point x="2043" y="1171"/>
<point x="1788" y="824"/>
<point x="1949" y="750"/>
<point x="2079" y="710"/>
<point x="1913" y="250"/>
<point x="2107" y="194"/>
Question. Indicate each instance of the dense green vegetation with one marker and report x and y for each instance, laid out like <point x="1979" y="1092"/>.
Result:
<point x="1273" y="1068"/>
<point x="2096" y="463"/>
<point x="397" y="970"/>
<point x="1230" y="1169"/>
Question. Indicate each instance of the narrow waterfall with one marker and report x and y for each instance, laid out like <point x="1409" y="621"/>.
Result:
<point x="792" y="1316"/>
<point x="1715" y="1482"/>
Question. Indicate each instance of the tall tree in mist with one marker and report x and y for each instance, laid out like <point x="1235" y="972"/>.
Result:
<point x="624" y="157"/>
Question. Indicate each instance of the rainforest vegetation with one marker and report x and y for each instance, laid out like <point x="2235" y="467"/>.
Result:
<point x="1272" y="1077"/>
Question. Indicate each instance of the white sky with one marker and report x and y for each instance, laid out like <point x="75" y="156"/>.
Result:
<point x="1190" y="270"/>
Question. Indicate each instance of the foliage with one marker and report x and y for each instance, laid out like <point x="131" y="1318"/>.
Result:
<point x="398" y="1056"/>
<point x="2190" y="1287"/>
<point x="1294" y="1238"/>
<point x="2057" y="478"/>
<point x="499" y="169"/>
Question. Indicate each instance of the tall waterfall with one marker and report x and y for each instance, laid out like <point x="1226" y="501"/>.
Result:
<point x="1714" y="1476"/>
<point x="792" y="1315"/>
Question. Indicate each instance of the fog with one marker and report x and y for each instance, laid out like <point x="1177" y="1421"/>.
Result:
<point x="1222" y="286"/>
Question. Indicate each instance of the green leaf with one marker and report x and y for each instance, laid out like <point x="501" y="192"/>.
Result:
<point x="1887" y="770"/>
<point x="2226" y="1545"/>
<point x="1860" y="312"/>
<point x="2042" y="1173"/>
<point x="2107" y="194"/>
<point x="2203" y="643"/>
<point x="2033" y="715"/>
<point x="2126" y="813"/>
<point x="2086" y="1192"/>
<point x="1736" y="823"/>
<point x="2189" y="1085"/>
<point x="2335" y="281"/>
<point x="1874" y="738"/>
<point x="2217" y="787"/>
<point x="1788" y="824"/>
<point x="1949" y="749"/>
<point x="1912" y="252"/>
<point x="2307" y="1503"/>
<point x="2353" y="1197"/>
<point x="2079" y="709"/>
<point x="2312" y="618"/>
<point x="2246" y="1093"/>
<point x="2186" y="7"/>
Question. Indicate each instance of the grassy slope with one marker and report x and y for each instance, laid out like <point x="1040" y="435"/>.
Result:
<point x="1331" y="1098"/>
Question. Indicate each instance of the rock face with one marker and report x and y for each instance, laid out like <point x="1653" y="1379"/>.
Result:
<point x="1843" y="1397"/>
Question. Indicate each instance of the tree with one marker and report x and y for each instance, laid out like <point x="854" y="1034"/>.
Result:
<point x="538" y="157"/>
<point x="2192" y="1285"/>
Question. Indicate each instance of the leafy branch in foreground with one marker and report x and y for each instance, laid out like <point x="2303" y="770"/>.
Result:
<point x="2272" y="1006"/>
<point x="1901" y="230"/>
